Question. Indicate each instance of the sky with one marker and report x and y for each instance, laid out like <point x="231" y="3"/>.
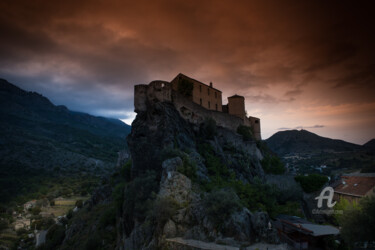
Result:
<point x="299" y="64"/>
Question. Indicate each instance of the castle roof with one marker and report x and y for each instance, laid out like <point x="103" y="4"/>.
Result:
<point x="192" y="79"/>
<point x="355" y="185"/>
<point x="236" y="96"/>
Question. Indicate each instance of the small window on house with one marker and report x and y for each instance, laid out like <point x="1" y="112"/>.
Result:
<point x="200" y="101"/>
<point x="256" y="121"/>
<point x="216" y="107"/>
<point x="208" y="91"/>
<point x="209" y="105"/>
<point x="200" y="88"/>
<point x="216" y="95"/>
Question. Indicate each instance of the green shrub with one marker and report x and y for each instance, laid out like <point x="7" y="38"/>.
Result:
<point x="289" y="208"/>
<point x="21" y="231"/>
<point x="220" y="204"/>
<point x="163" y="209"/>
<point x="312" y="182"/>
<point x="214" y="164"/>
<point x="35" y="210"/>
<point x="69" y="215"/>
<point x="54" y="237"/>
<point x="138" y="195"/>
<point x="208" y="129"/>
<point x="118" y="195"/>
<point x="188" y="168"/>
<point x="169" y="153"/>
<point x="3" y="224"/>
<point x="79" y="203"/>
<point x="93" y="242"/>
<point x="358" y="225"/>
<point x="108" y="217"/>
<point x="126" y="171"/>
<point x="272" y="165"/>
<point x="185" y="87"/>
<point x="246" y="132"/>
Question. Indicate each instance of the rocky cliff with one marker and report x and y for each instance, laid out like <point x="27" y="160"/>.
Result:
<point x="181" y="183"/>
<point x="186" y="173"/>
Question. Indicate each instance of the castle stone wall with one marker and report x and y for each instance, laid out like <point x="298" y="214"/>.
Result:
<point x="162" y="91"/>
<point x="236" y="106"/>
<point x="147" y="94"/>
<point x="196" y="114"/>
<point x="204" y="95"/>
<point x="255" y="125"/>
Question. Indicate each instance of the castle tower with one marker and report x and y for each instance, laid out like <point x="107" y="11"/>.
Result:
<point x="236" y="106"/>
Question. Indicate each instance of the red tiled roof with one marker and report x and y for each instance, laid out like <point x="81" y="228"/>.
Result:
<point x="355" y="185"/>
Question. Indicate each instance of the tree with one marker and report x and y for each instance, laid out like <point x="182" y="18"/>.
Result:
<point x="272" y="165"/>
<point x="358" y="225"/>
<point x="312" y="182"/>
<point x="246" y="132"/>
<point x="220" y="204"/>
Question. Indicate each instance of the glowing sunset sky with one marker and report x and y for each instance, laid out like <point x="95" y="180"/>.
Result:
<point x="307" y="64"/>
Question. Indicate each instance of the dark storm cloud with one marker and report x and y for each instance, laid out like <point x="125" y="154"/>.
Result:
<point x="89" y="54"/>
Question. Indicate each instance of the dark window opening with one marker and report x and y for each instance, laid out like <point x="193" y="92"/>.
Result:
<point x="215" y="94"/>
<point x="200" y="88"/>
<point x="208" y="91"/>
<point x="200" y="101"/>
<point x="256" y="121"/>
<point x="209" y="105"/>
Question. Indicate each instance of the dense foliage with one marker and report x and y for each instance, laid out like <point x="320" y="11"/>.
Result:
<point x="19" y="184"/>
<point x="139" y="195"/>
<point x="358" y="225"/>
<point x="220" y="204"/>
<point x="208" y="129"/>
<point x="254" y="196"/>
<point x="312" y="182"/>
<point x="246" y="132"/>
<point x="272" y="165"/>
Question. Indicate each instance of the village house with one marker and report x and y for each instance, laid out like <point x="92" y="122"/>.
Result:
<point x="355" y="187"/>
<point x="29" y="205"/>
<point x="300" y="233"/>
<point x="197" y="101"/>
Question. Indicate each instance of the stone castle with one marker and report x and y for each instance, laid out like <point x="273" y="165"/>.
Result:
<point x="197" y="101"/>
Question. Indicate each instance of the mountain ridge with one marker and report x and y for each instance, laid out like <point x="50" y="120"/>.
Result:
<point x="303" y="141"/>
<point x="38" y="137"/>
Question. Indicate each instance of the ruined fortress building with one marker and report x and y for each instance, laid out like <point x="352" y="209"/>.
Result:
<point x="197" y="101"/>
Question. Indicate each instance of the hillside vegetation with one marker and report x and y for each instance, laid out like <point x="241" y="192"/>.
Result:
<point x="39" y="140"/>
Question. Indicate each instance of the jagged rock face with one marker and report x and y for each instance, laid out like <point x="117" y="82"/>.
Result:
<point x="154" y="130"/>
<point x="243" y="157"/>
<point x="239" y="226"/>
<point x="160" y="128"/>
<point x="173" y="184"/>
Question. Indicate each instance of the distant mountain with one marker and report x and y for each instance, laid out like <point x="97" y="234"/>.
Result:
<point x="37" y="134"/>
<point x="370" y="145"/>
<point x="303" y="141"/>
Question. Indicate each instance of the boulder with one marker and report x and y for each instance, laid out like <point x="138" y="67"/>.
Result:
<point x="239" y="226"/>
<point x="170" y="165"/>
<point x="263" y="228"/>
<point x="176" y="186"/>
<point x="170" y="229"/>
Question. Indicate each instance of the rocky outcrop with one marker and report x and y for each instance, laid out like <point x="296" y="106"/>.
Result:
<point x="191" y="221"/>
<point x="155" y="130"/>
<point x="163" y="142"/>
